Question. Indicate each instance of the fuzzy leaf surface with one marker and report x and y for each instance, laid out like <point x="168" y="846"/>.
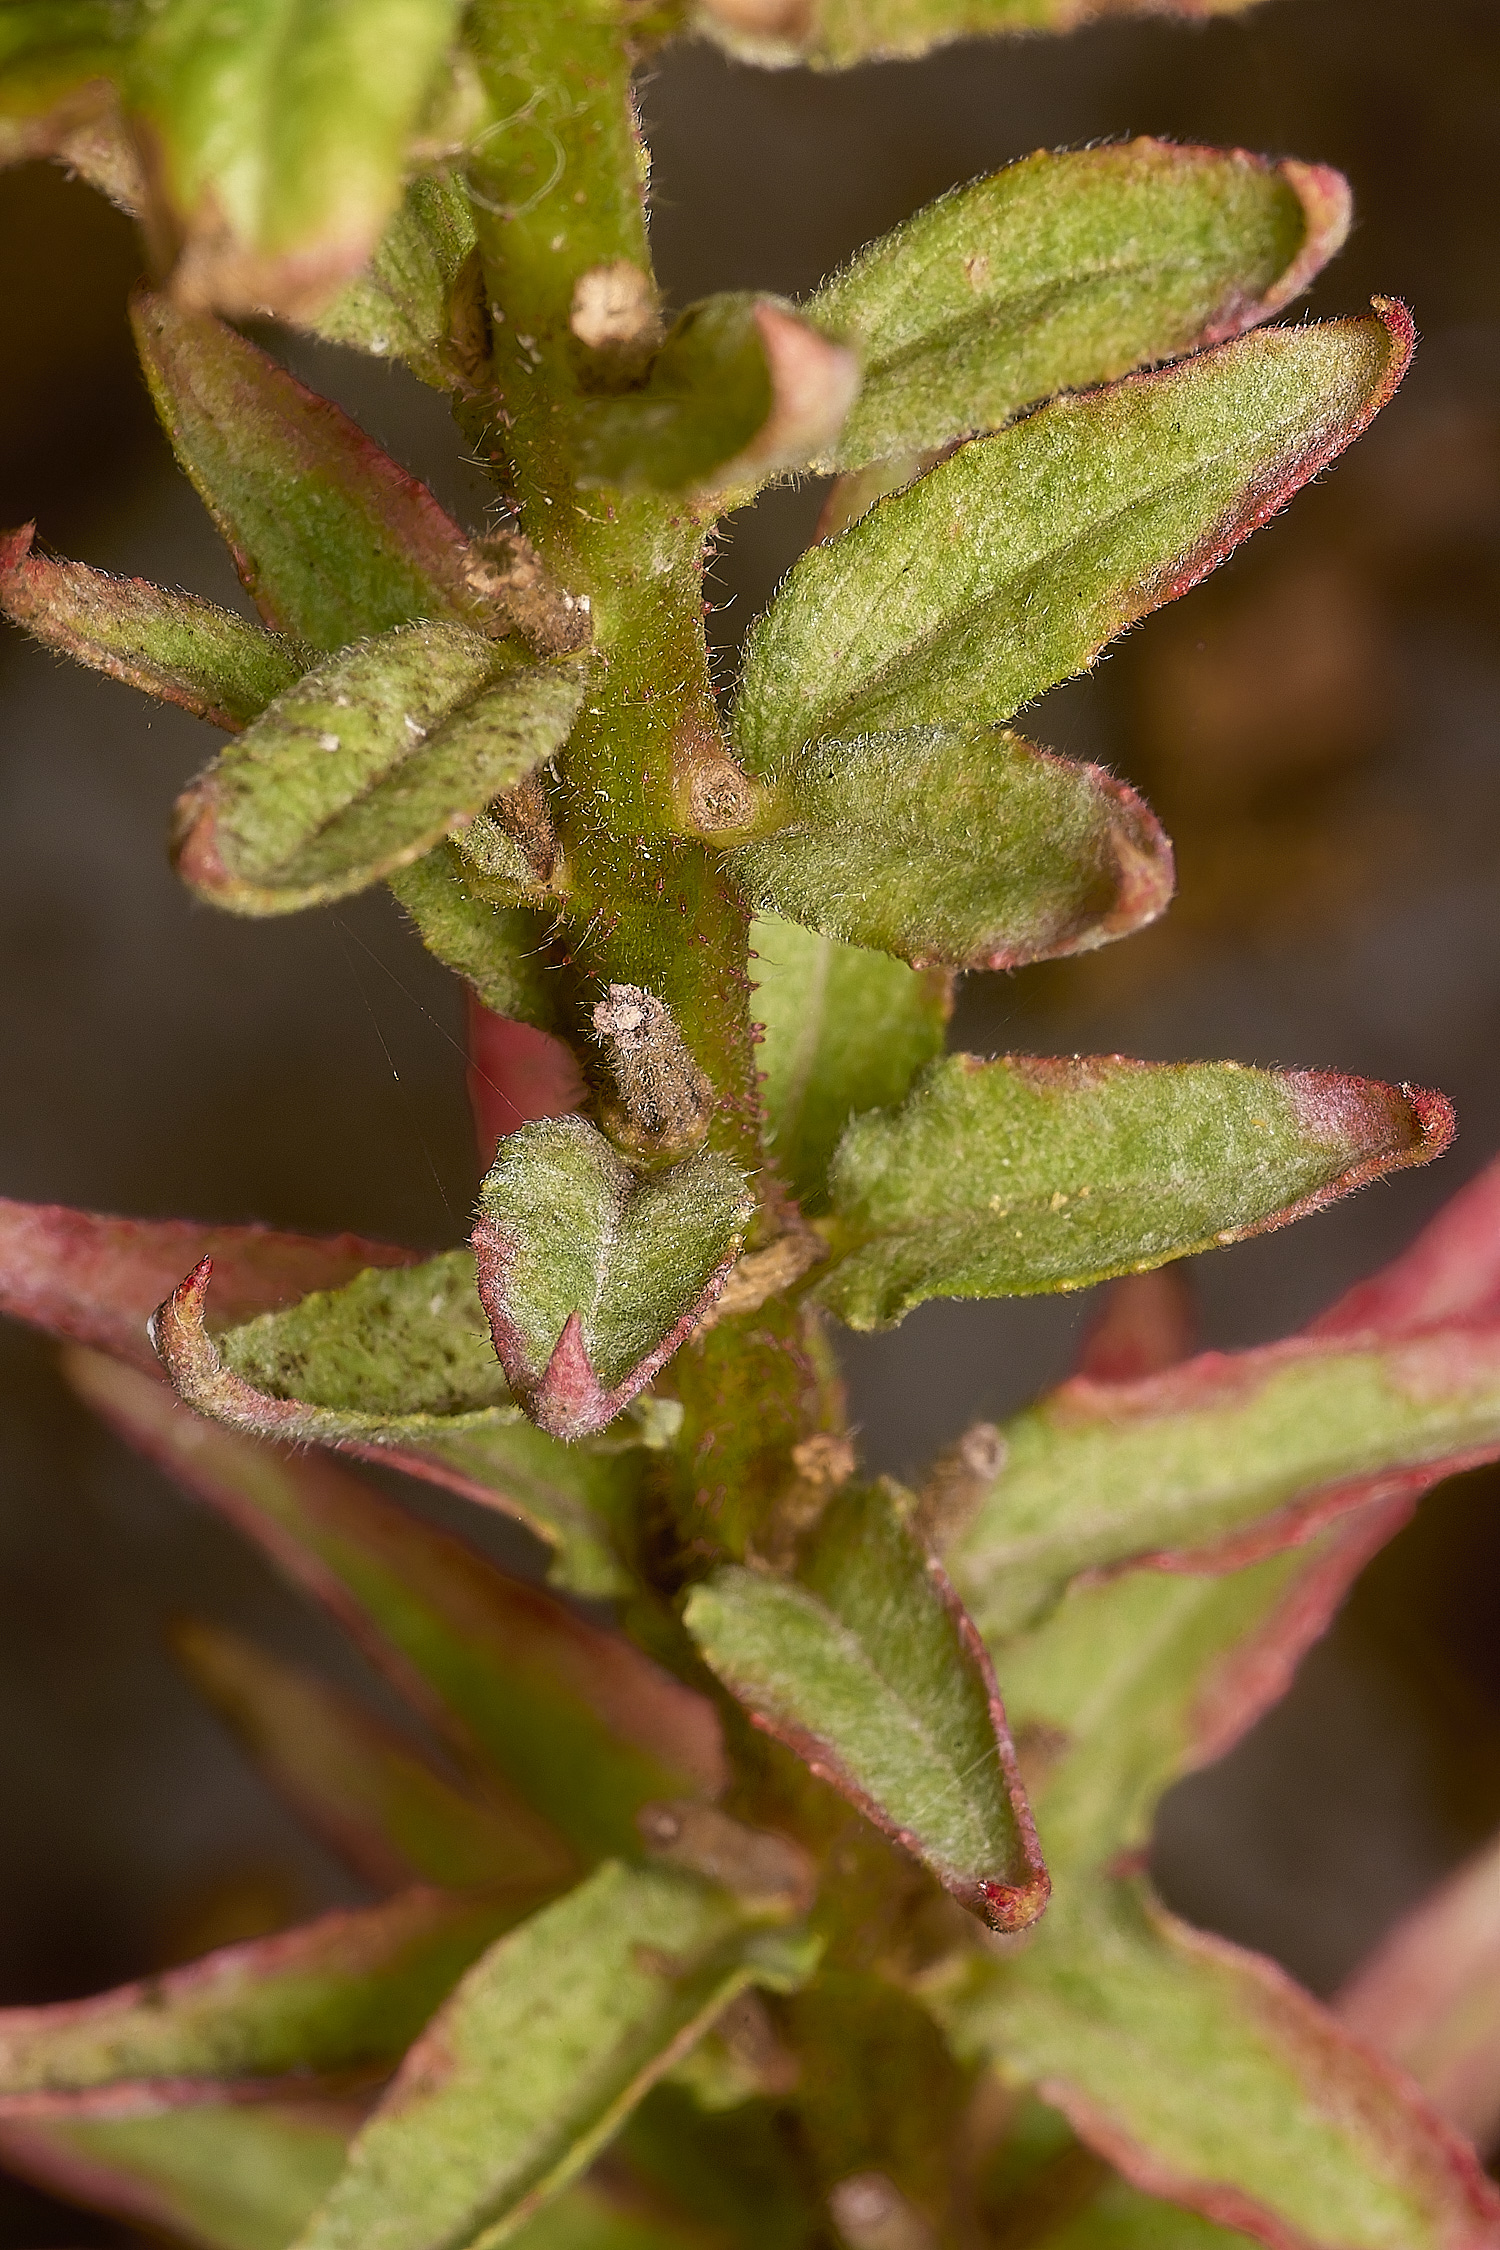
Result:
<point x="600" y="1993"/>
<point x="962" y="847"/>
<point x="173" y="646"/>
<point x="1065" y="271"/>
<point x="743" y="386"/>
<point x="347" y="1991"/>
<point x="592" y="1277"/>
<point x="1012" y="564"/>
<point x="330" y="537"/>
<point x="403" y="305"/>
<point x="1208" y="2077"/>
<point x="868" y="1668"/>
<point x="280" y="136"/>
<point x="221" y="2176"/>
<point x="93" y="1279"/>
<point x="845" y="1030"/>
<point x="575" y="1718"/>
<point x="1004" y="1178"/>
<point x="366" y="764"/>
<point x="498" y="950"/>
<point x="361" y="1786"/>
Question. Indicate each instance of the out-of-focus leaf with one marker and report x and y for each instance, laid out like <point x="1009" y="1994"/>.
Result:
<point x="735" y="2171"/>
<point x="592" y="1277"/>
<point x="221" y="2176"/>
<point x="279" y="138"/>
<point x="598" y="2214"/>
<point x="1119" y="2217"/>
<point x="1045" y="2186"/>
<point x="366" y="764"/>
<point x="968" y="848"/>
<point x="409" y="303"/>
<point x="57" y="58"/>
<point x="833" y="34"/>
<point x="1249" y="1442"/>
<point x="362" y="1786"/>
<point x="349" y="1991"/>
<point x="173" y="646"/>
<point x="498" y="949"/>
<point x="329" y="536"/>
<point x="97" y="1280"/>
<point x="1012" y="564"/>
<point x="541" y="2054"/>
<point x="1064" y="271"/>
<point x="1228" y="1457"/>
<point x="743" y="386"/>
<point x="575" y="1718"/>
<point x="1206" y="2076"/>
<point x="1429" y="1997"/>
<point x="868" y="1668"/>
<point x="1002" y="1178"/>
<point x="845" y="1030"/>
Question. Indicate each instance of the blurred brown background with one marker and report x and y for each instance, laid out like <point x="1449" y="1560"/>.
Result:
<point x="1317" y="728"/>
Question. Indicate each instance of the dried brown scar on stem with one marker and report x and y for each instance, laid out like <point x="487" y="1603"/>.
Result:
<point x="961" y="1476"/>
<point x="504" y="569"/>
<point x="665" y="1098"/>
<point x="513" y="840"/>
<point x="615" y="313"/>
<point x="763" y="1274"/>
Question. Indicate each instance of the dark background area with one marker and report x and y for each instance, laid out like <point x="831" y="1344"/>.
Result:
<point x="1316" y="727"/>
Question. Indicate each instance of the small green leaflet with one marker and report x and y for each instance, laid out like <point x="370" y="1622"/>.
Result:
<point x="1064" y="271"/>
<point x="834" y="34"/>
<point x="867" y="1667"/>
<point x="410" y="301"/>
<point x="1003" y="1178"/>
<point x="1012" y="564"/>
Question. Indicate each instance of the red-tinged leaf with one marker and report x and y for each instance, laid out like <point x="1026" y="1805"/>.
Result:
<point x="1147" y="1324"/>
<point x="1429" y="1997"/>
<point x="332" y="539"/>
<point x="868" y="1668"/>
<point x="175" y="647"/>
<point x="575" y="1718"/>
<point x="361" y="1786"/>
<point x="1450" y="1275"/>
<point x="1204" y="2075"/>
<point x="97" y="1280"/>
<point x="516" y="1072"/>
<point x="216" y="2174"/>
<point x="346" y="1993"/>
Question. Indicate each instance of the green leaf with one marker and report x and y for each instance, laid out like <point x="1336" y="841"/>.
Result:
<point x="56" y="58"/>
<point x="366" y="764"/>
<point x="1099" y="1474"/>
<point x="600" y="1994"/>
<point x="410" y="300"/>
<point x="361" y="1786"/>
<point x="348" y="1991"/>
<point x="221" y="2176"/>
<point x="868" y="1668"/>
<point x="332" y="540"/>
<point x="173" y="646"/>
<point x="837" y="33"/>
<point x="592" y="1277"/>
<point x="573" y="1717"/>
<point x="1207" y="2076"/>
<point x="279" y="138"/>
<point x="1041" y="2180"/>
<point x="611" y="2215"/>
<point x="844" y="1031"/>
<point x="497" y="949"/>
<point x="1119" y="2217"/>
<point x="1064" y="271"/>
<point x="966" y="848"/>
<point x="1010" y="566"/>
<point x="1003" y="1178"/>
<point x="743" y="386"/>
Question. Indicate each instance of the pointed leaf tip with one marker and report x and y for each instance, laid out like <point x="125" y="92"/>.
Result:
<point x="591" y="1277"/>
<point x="1032" y="1173"/>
